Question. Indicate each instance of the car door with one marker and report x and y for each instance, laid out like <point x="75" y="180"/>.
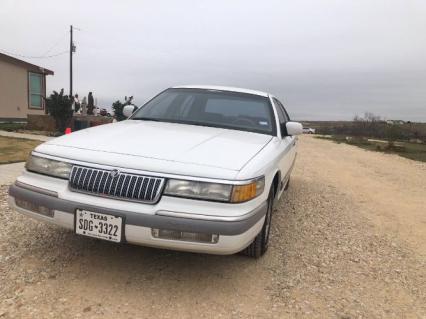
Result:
<point x="286" y="145"/>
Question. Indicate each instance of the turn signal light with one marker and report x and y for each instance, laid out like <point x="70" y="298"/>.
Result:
<point x="243" y="193"/>
<point x="34" y="207"/>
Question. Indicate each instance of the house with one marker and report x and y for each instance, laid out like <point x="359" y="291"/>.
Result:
<point x="395" y="122"/>
<point x="22" y="89"/>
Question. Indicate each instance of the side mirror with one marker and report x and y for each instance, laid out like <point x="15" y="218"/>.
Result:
<point x="293" y="128"/>
<point x="128" y="110"/>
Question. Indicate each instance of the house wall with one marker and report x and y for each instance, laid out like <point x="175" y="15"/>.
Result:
<point x="14" y="92"/>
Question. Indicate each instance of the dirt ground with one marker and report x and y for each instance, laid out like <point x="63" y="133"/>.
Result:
<point x="348" y="241"/>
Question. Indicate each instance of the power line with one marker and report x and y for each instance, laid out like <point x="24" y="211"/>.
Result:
<point x="35" y="57"/>
<point x="56" y="43"/>
<point x="45" y="55"/>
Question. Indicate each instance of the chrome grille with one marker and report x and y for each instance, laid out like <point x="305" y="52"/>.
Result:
<point x="113" y="183"/>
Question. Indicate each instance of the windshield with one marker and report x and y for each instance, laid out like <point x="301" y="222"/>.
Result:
<point x="238" y="111"/>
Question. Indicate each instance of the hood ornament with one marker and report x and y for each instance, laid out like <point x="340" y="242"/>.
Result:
<point x="114" y="173"/>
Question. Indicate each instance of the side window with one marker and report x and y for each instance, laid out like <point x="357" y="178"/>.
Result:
<point x="284" y="112"/>
<point x="35" y="90"/>
<point x="287" y="118"/>
<point x="282" y="115"/>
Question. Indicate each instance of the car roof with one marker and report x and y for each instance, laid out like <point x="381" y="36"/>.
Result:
<point x="222" y="88"/>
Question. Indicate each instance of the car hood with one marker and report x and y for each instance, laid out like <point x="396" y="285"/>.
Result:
<point x="157" y="146"/>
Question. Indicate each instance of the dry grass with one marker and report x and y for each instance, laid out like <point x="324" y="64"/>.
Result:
<point x="412" y="151"/>
<point x="15" y="149"/>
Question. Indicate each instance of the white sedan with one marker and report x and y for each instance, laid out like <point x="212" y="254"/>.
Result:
<point x="309" y="130"/>
<point x="197" y="168"/>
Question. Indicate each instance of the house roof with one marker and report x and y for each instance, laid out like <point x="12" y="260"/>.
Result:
<point x="21" y="63"/>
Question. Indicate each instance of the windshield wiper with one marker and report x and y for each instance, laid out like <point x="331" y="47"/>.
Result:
<point x="147" y="119"/>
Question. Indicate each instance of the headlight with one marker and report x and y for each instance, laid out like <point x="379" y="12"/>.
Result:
<point x="199" y="190"/>
<point x="48" y="167"/>
<point x="215" y="191"/>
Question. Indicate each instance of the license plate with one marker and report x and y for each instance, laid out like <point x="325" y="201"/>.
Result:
<point x="101" y="226"/>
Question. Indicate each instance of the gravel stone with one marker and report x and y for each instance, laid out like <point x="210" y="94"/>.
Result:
<point x="338" y="249"/>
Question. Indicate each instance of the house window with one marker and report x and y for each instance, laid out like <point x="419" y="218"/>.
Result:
<point x="36" y="90"/>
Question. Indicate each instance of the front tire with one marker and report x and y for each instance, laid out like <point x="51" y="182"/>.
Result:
<point x="287" y="185"/>
<point x="260" y="243"/>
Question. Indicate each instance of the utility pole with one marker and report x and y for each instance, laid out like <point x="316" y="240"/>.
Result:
<point x="72" y="50"/>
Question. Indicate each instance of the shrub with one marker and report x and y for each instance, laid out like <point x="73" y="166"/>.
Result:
<point x="59" y="107"/>
<point x="11" y="127"/>
<point x="117" y="106"/>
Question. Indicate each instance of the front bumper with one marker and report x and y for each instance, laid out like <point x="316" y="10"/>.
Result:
<point x="235" y="233"/>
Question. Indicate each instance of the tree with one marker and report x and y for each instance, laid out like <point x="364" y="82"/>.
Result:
<point x="393" y="132"/>
<point x="117" y="106"/>
<point x="59" y="107"/>
<point x="369" y="125"/>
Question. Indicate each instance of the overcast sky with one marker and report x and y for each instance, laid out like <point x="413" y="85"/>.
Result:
<point x="326" y="59"/>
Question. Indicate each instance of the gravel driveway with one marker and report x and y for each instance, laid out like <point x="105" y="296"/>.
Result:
<point x="348" y="241"/>
<point x="8" y="172"/>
